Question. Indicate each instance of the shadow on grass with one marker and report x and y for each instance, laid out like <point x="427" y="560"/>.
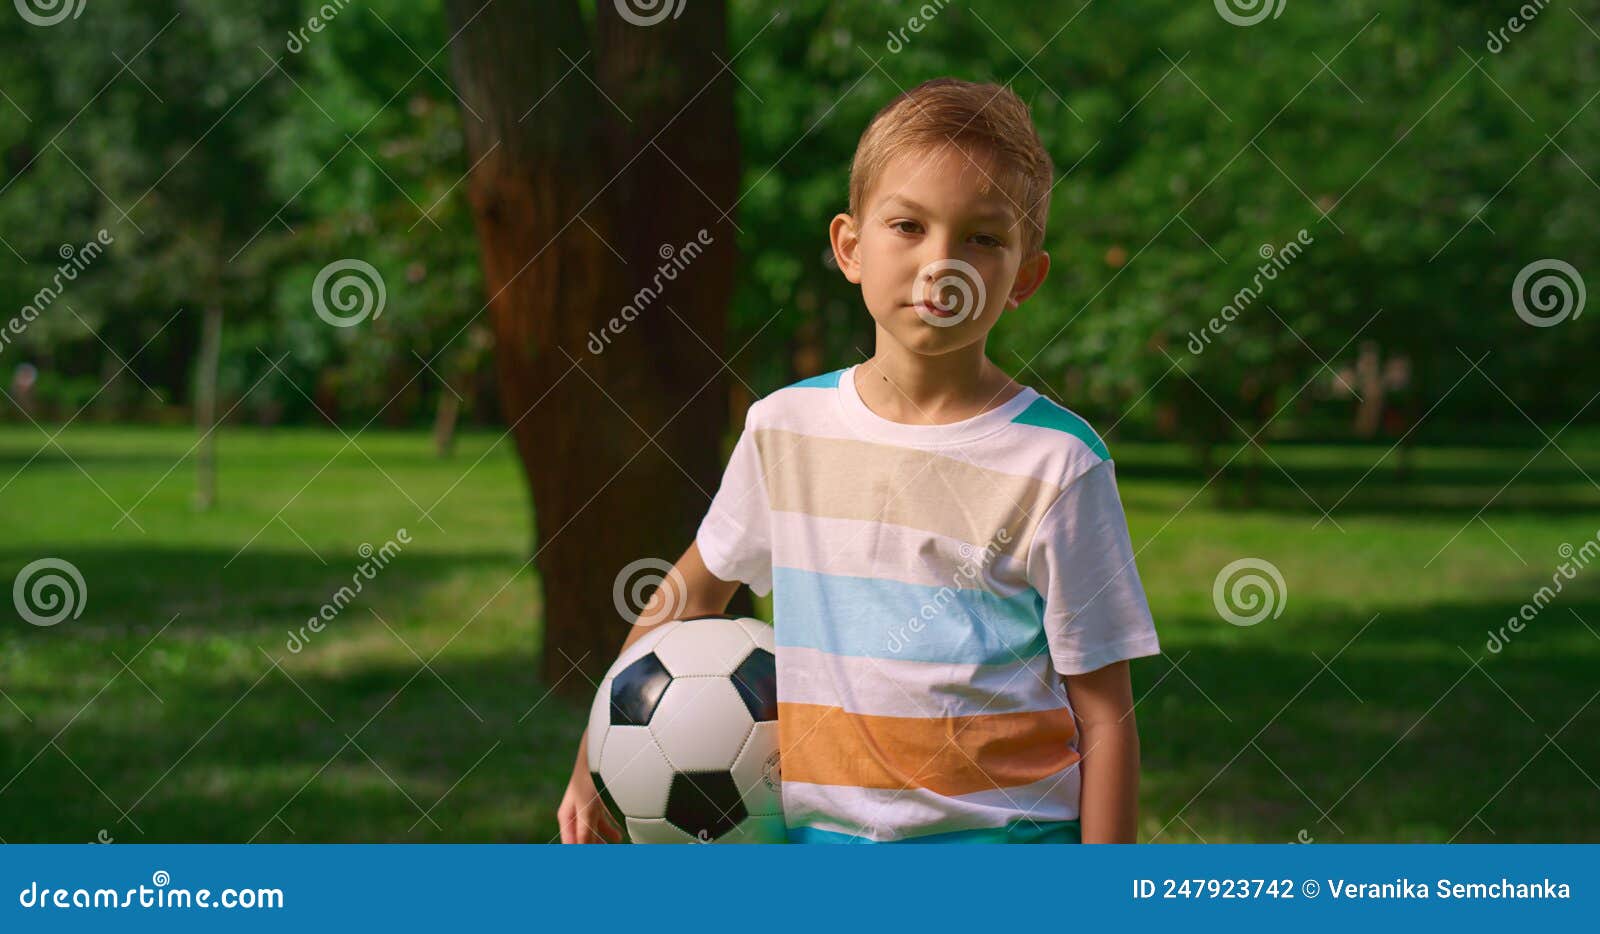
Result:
<point x="1246" y="735"/>
<point x="203" y="738"/>
<point x="1552" y="487"/>
<point x="284" y="757"/>
<point x="1400" y="738"/>
<point x="214" y="590"/>
<point x="45" y="454"/>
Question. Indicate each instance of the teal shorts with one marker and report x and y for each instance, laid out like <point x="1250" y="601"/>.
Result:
<point x="1022" y="831"/>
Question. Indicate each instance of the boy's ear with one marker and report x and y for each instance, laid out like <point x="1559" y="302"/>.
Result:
<point x="846" y="241"/>
<point x="1030" y="275"/>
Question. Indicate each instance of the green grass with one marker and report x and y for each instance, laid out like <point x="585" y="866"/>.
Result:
<point x="203" y="738"/>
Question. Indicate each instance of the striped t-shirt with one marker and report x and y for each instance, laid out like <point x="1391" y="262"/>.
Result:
<point x="928" y="583"/>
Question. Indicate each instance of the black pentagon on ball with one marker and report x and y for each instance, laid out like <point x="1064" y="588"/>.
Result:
<point x="637" y="690"/>
<point x="704" y="804"/>
<point x="756" y="680"/>
<point x="605" y="794"/>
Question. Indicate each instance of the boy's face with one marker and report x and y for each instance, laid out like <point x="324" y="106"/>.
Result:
<point x="937" y="261"/>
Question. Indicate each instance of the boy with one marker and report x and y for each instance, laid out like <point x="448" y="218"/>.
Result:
<point x="942" y="544"/>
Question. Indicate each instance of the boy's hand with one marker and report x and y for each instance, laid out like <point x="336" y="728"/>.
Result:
<point x="583" y="817"/>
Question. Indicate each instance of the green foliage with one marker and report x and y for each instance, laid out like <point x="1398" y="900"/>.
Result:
<point x="1183" y="144"/>
<point x="246" y="160"/>
<point x="1427" y="164"/>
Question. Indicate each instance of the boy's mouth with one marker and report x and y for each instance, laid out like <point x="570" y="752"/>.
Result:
<point x="935" y="310"/>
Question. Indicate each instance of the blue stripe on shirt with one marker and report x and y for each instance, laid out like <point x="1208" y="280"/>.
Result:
<point x="875" y="618"/>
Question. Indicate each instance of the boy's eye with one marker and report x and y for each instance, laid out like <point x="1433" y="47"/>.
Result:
<point x="911" y="227"/>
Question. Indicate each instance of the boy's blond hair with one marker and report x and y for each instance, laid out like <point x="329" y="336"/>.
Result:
<point x="982" y="119"/>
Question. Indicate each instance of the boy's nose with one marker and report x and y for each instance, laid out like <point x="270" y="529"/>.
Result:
<point x="938" y="250"/>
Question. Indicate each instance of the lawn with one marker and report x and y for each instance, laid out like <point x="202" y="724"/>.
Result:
<point x="174" y="709"/>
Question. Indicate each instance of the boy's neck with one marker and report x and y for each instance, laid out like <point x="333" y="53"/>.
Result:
<point x="917" y="389"/>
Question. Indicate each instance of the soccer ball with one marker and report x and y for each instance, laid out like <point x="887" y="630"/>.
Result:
<point x="683" y="734"/>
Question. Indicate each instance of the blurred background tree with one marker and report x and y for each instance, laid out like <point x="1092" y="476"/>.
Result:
<point x="1415" y="158"/>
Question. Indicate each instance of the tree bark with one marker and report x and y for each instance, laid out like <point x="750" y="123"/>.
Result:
<point x="577" y="207"/>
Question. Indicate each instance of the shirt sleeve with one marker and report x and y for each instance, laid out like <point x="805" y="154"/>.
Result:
<point x="735" y="537"/>
<point x="1081" y="562"/>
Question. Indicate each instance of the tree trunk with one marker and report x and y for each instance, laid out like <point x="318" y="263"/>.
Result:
<point x="444" y="424"/>
<point x="581" y="213"/>
<point x="205" y="408"/>
<point x="1369" y="376"/>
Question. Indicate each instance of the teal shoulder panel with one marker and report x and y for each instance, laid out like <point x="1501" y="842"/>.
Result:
<point x="821" y="381"/>
<point x="1046" y="414"/>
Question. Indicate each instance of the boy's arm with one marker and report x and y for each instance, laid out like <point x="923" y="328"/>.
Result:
<point x="689" y="589"/>
<point x="1109" y="769"/>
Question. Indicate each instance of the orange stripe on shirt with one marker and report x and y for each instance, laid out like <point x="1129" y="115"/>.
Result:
<point x="948" y="755"/>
